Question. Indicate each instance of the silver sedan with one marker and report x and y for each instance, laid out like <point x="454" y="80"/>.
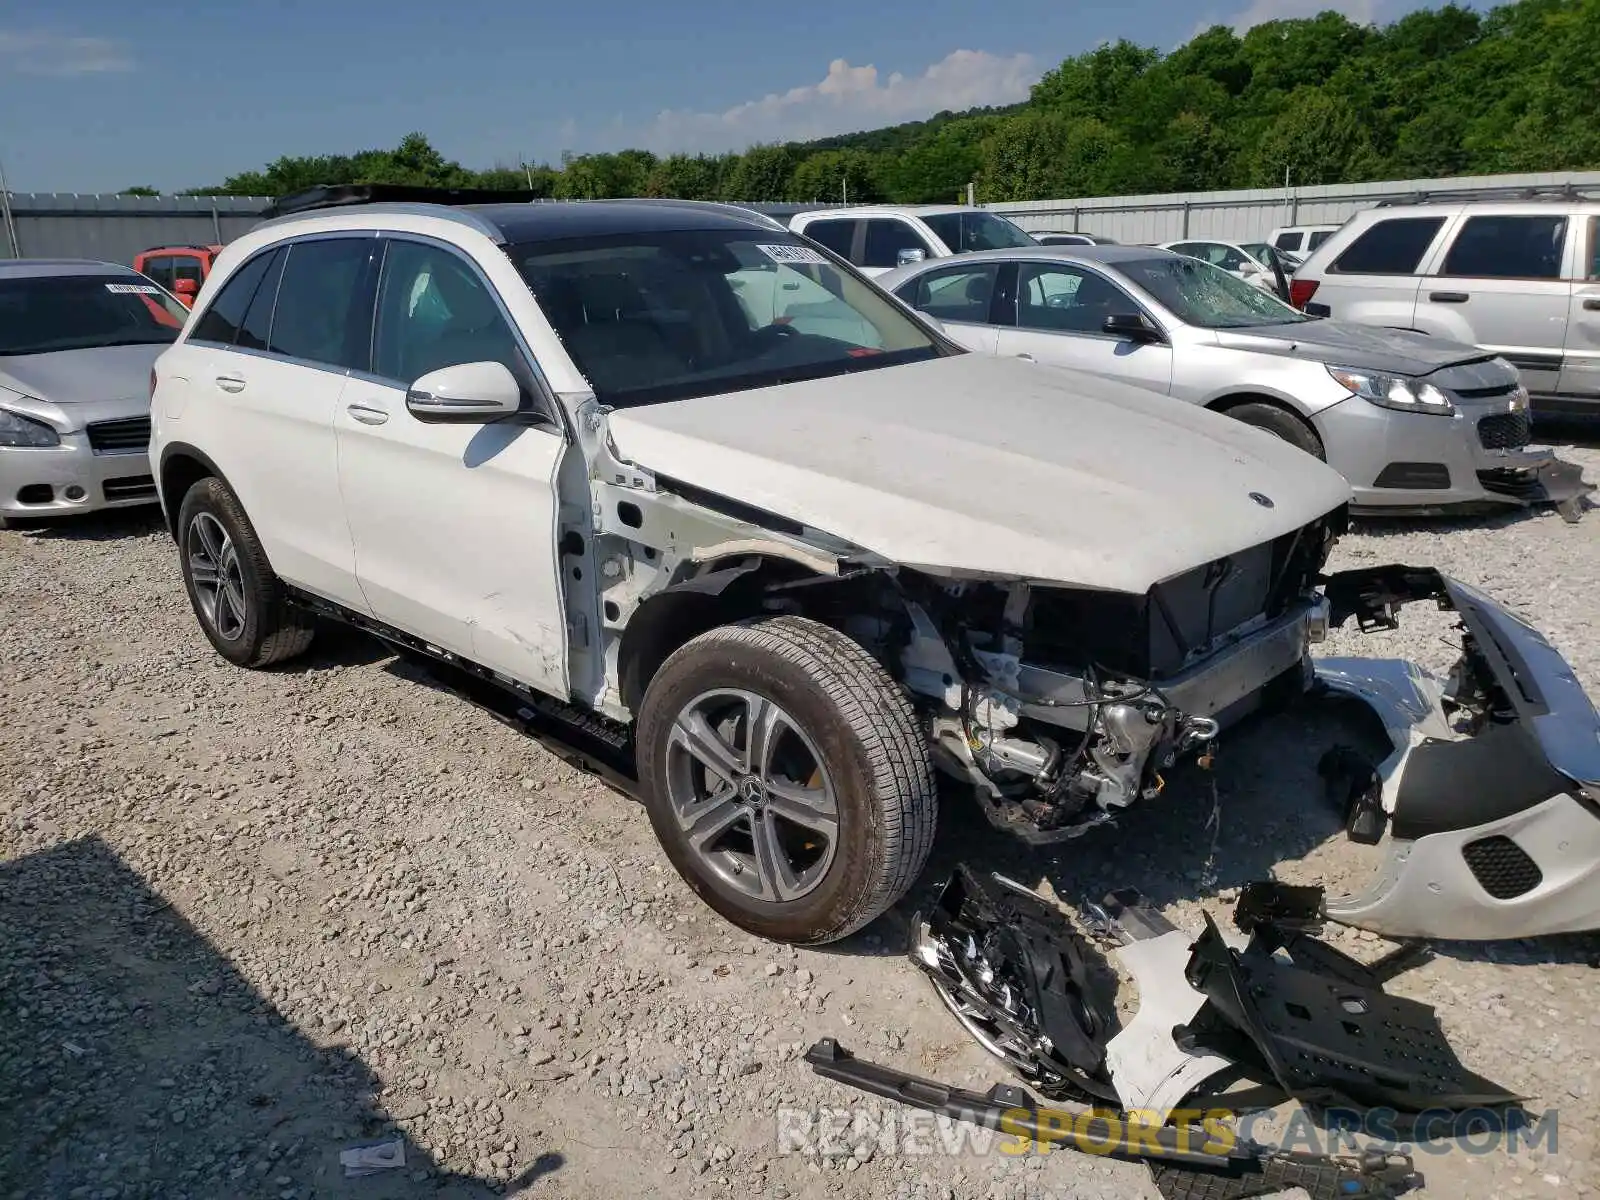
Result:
<point x="77" y="342"/>
<point x="1413" y="422"/>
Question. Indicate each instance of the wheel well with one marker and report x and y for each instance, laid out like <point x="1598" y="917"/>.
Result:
<point x="179" y="473"/>
<point x="720" y="595"/>
<point x="1226" y="404"/>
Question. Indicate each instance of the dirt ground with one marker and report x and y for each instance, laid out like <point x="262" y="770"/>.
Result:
<point x="250" y="919"/>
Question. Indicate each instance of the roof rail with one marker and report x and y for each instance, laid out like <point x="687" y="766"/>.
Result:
<point x="176" y="246"/>
<point x="339" y="195"/>
<point x="1555" y="191"/>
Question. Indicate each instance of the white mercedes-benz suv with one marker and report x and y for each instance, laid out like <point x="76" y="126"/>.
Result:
<point x="687" y="493"/>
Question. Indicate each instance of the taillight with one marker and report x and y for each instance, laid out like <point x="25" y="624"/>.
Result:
<point x="1301" y="291"/>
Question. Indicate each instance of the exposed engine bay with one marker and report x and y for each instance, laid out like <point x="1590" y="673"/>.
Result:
<point x="1063" y="705"/>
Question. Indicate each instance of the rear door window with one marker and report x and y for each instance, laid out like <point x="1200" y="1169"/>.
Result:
<point x="1392" y="247"/>
<point x="835" y="235"/>
<point x="324" y="309"/>
<point x="220" y="322"/>
<point x="961" y="294"/>
<point x="1508" y="247"/>
<point x="886" y="238"/>
<point x="256" y="327"/>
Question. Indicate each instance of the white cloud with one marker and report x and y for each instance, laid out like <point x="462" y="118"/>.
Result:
<point x="847" y="99"/>
<point x="1362" y="12"/>
<point x="41" y="52"/>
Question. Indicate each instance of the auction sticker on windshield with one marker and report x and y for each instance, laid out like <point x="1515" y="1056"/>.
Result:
<point x="133" y="289"/>
<point x="792" y="254"/>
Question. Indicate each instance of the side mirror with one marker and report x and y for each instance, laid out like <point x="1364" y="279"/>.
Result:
<point x="476" y="392"/>
<point x="1132" y="326"/>
<point x="186" y="290"/>
<point x="906" y="257"/>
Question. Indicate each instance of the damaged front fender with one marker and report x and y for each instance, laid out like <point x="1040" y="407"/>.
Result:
<point x="1486" y="812"/>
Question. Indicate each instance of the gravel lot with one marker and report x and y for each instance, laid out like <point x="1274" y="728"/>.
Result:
<point x="249" y="919"/>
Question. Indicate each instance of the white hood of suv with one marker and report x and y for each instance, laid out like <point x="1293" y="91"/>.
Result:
<point x="992" y="466"/>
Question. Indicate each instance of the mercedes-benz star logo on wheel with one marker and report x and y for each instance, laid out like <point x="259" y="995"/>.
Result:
<point x="1264" y="501"/>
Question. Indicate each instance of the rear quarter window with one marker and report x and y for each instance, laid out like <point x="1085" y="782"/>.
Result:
<point x="1508" y="247"/>
<point x="1392" y="247"/>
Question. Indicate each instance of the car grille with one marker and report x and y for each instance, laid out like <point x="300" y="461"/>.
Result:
<point x="1505" y="431"/>
<point x="114" y="437"/>
<point x="1501" y="867"/>
<point x="130" y="487"/>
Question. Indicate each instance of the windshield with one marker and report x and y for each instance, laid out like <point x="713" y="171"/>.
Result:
<point x="968" y="232"/>
<point x="1200" y="294"/>
<point x="649" y="317"/>
<point x="77" y="312"/>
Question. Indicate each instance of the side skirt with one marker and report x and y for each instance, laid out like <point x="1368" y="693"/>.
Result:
<point x="582" y="739"/>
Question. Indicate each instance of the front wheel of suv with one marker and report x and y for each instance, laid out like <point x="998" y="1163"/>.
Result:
<point x="787" y="778"/>
<point x="240" y="604"/>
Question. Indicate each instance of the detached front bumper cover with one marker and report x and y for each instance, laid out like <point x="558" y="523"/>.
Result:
<point x="1487" y="810"/>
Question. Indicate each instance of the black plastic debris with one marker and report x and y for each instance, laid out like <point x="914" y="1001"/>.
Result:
<point x="1021" y="981"/>
<point x="1329" y="1037"/>
<point x="1280" y="905"/>
<point x="1355" y="786"/>
<point x="1185" y="1162"/>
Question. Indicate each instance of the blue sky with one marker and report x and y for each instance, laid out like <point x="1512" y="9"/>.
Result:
<point x="101" y="94"/>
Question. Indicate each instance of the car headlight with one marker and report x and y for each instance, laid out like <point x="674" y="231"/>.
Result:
<point x="1394" y="391"/>
<point x="18" y="430"/>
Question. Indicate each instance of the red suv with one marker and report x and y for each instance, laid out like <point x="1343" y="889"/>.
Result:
<point x="179" y="269"/>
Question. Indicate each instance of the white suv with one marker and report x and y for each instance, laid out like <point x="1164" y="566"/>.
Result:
<point x="1520" y="278"/>
<point x="677" y="487"/>
<point x="879" y="239"/>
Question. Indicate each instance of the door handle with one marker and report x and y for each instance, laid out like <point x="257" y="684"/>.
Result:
<point x="1449" y="297"/>
<point x="366" y="414"/>
<point x="1592" y="304"/>
<point x="1025" y="356"/>
<point x="230" y="383"/>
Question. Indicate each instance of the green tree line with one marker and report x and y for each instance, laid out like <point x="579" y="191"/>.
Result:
<point x="1439" y="92"/>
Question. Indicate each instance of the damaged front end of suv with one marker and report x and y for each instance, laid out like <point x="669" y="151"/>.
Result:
<point x="1062" y="706"/>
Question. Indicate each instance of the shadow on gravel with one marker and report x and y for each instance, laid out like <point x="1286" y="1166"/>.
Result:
<point x="136" y="1062"/>
<point x="111" y="525"/>
<point x="1568" y="430"/>
<point x="1566" y="949"/>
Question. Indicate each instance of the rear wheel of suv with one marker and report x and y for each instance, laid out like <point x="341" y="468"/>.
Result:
<point x="1284" y="424"/>
<point x="787" y="778"/>
<point x="238" y="600"/>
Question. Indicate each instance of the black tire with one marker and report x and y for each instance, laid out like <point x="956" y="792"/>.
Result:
<point x="1281" y="423"/>
<point x="270" y="630"/>
<point x="867" y="744"/>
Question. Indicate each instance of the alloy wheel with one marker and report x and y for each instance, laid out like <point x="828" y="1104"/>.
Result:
<point x="751" y="793"/>
<point x="216" y="576"/>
